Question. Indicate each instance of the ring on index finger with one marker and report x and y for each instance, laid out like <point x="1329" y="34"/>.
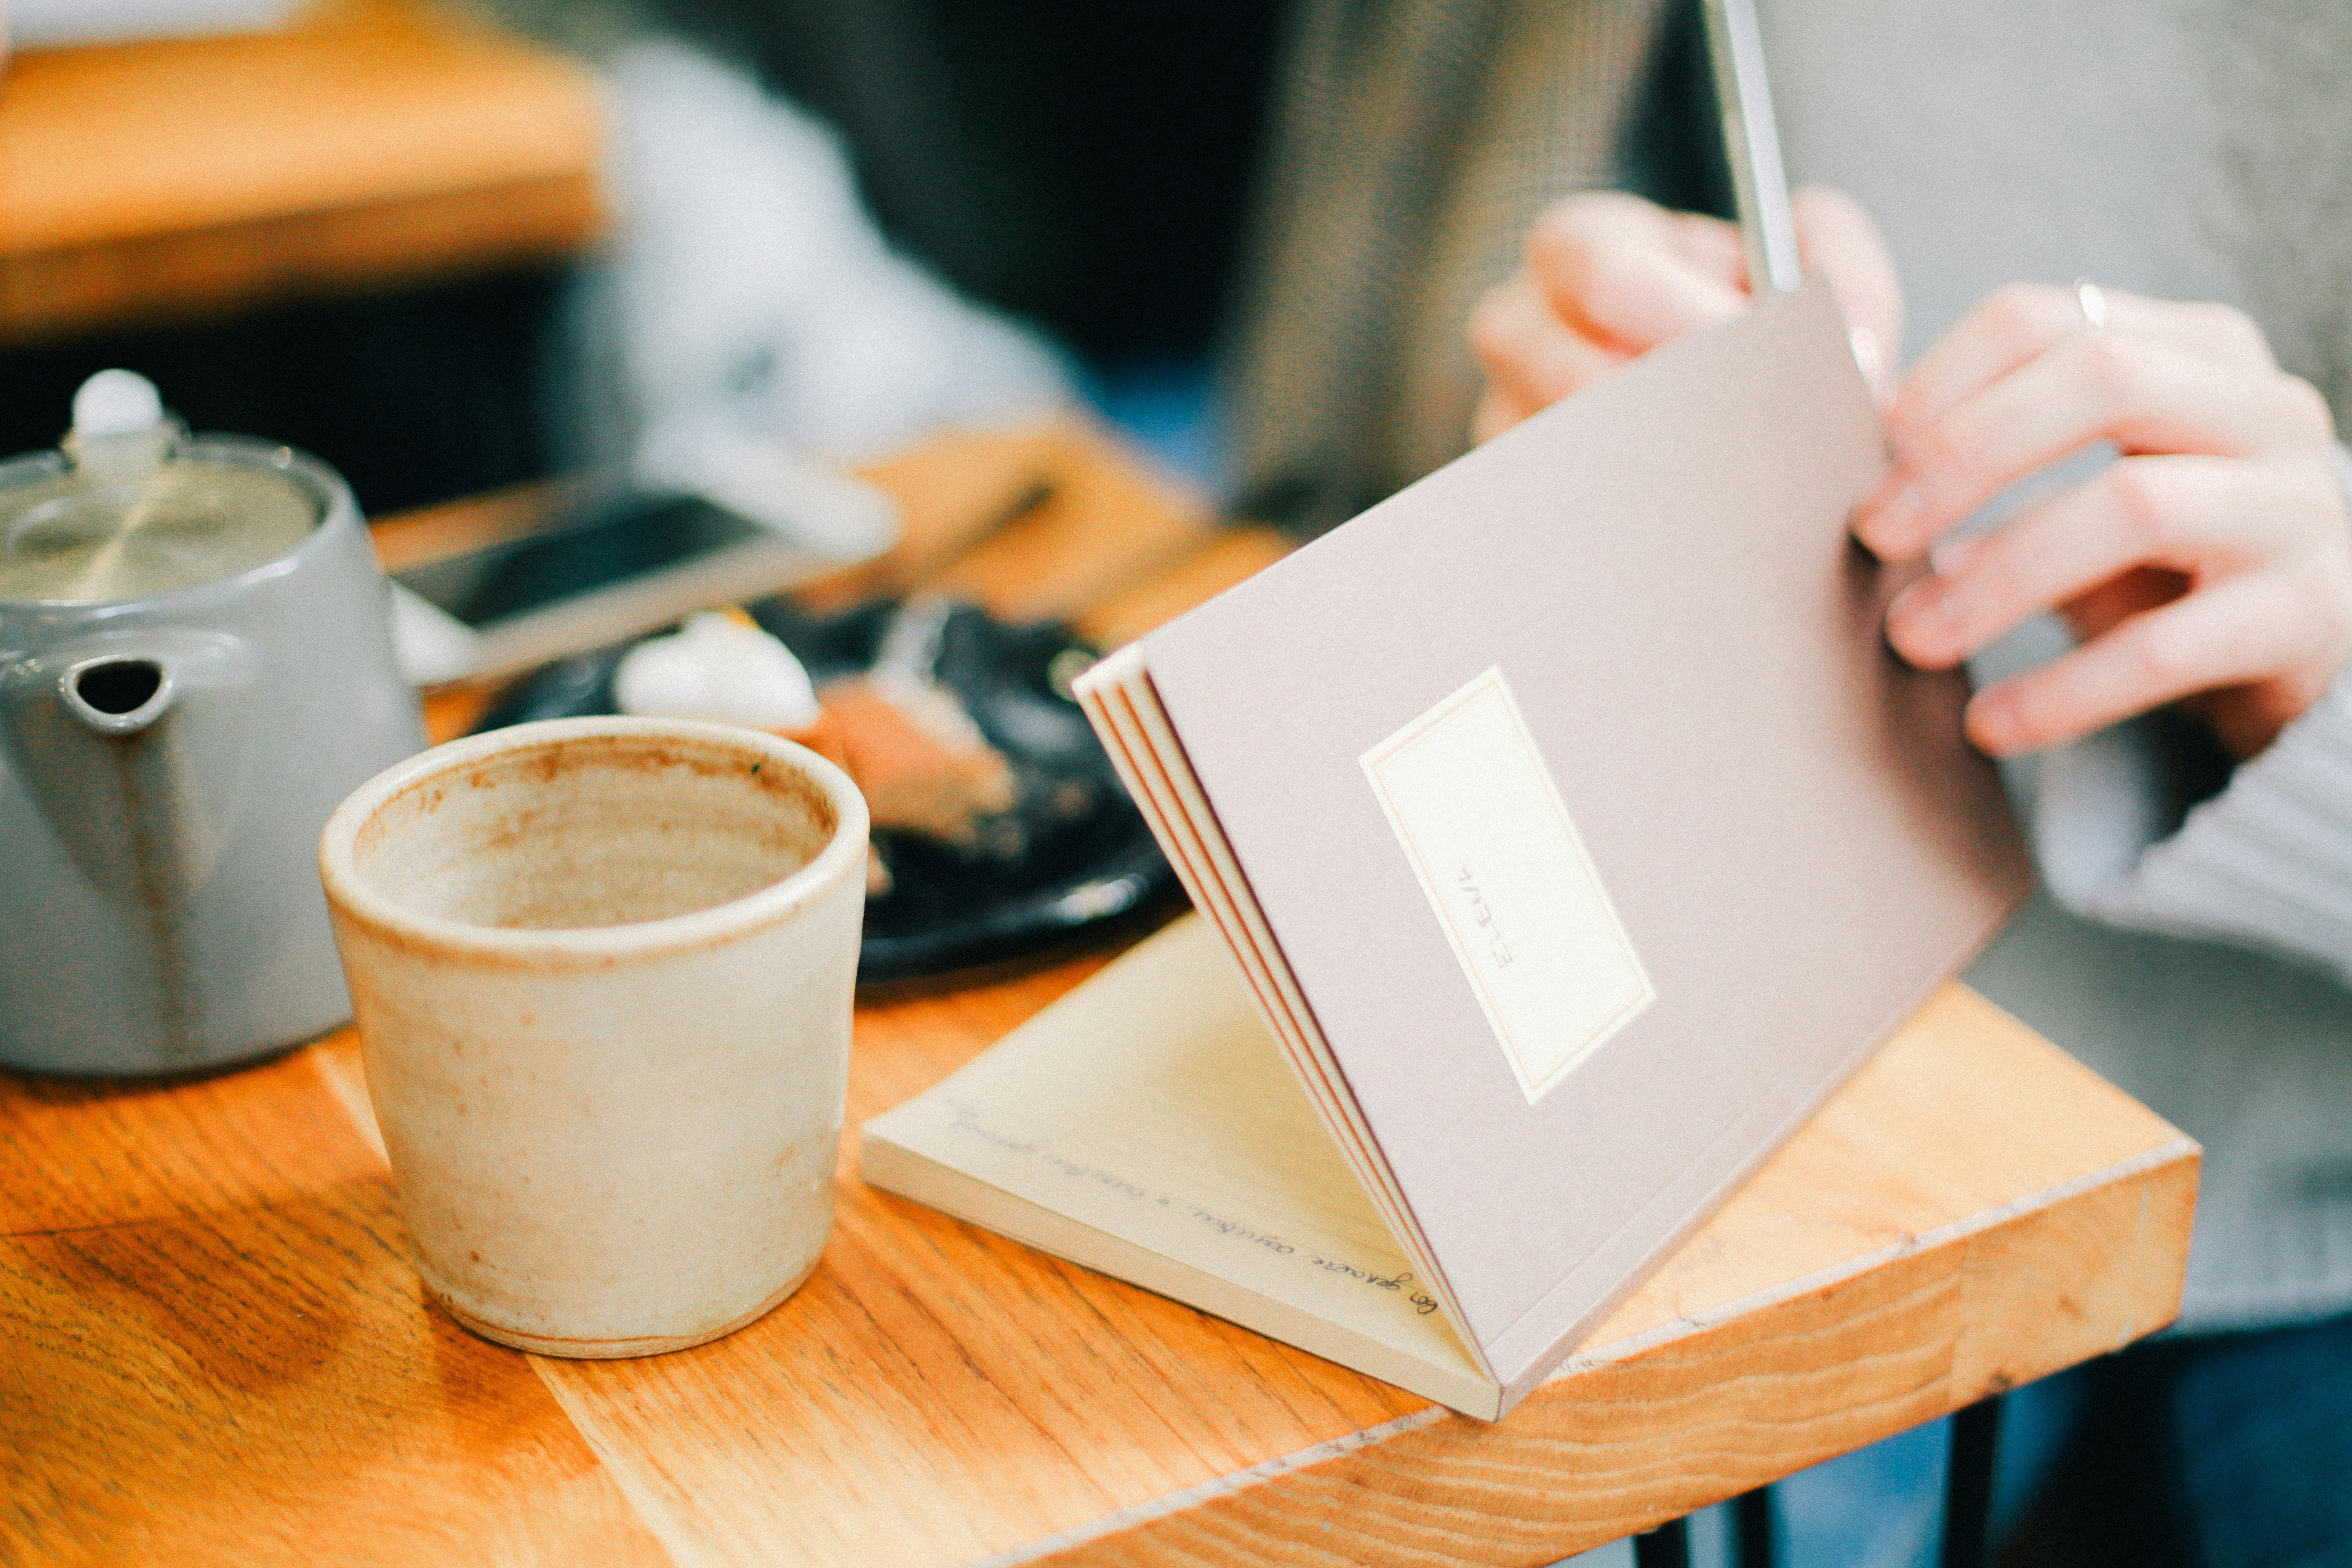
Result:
<point x="2091" y="300"/>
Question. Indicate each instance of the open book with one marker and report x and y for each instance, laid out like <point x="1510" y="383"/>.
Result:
<point x="1570" y="833"/>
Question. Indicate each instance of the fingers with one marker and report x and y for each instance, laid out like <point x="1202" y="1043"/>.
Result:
<point x="1531" y="358"/>
<point x="2012" y="326"/>
<point x="2200" y="516"/>
<point x="2245" y="632"/>
<point x="2007" y="329"/>
<point x="2212" y="561"/>
<point x="1630" y="275"/>
<point x="1492" y="417"/>
<point x="1608" y="277"/>
<point x="1836" y="238"/>
<point x="2144" y="395"/>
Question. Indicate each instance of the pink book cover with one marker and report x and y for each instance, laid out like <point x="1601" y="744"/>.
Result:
<point x="1601" y="830"/>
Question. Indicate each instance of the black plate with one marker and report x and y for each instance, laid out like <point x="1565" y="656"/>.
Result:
<point x="1073" y="853"/>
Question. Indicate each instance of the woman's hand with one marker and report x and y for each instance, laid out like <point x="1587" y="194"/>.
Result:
<point x="2213" y="562"/>
<point x="1608" y="277"/>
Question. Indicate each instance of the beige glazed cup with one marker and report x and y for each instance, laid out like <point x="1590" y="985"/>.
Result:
<point x="603" y="972"/>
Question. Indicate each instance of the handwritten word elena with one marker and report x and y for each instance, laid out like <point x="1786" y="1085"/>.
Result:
<point x="1482" y="915"/>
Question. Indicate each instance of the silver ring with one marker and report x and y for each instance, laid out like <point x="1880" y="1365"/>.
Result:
<point x="2091" y="300"/>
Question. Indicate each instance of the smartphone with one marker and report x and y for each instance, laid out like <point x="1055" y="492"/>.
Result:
<point x="627" y="565"/>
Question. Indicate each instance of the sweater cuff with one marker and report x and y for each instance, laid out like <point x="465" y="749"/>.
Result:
<point x="2266" y="863"/>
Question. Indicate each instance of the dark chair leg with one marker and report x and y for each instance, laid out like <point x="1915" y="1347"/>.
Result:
<point x="1668" y="1546"/>
<point x="1968" y="1486"/>
<point x="1751" y="1514"/>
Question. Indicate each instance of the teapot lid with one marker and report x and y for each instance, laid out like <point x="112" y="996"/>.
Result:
<point x="130" y="508"/>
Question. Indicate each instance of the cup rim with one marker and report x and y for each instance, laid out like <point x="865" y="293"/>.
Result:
<point x="350" y="895"/>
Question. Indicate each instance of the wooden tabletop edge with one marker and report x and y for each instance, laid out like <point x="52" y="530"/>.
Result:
<point x="1175" y="1502"/>
<point x="2174" y="1149"/>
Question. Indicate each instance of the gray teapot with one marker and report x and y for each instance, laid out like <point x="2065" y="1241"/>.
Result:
<point x="195" y="668"/>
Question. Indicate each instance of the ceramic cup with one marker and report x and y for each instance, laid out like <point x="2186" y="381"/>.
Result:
<point x="602" y="970"/>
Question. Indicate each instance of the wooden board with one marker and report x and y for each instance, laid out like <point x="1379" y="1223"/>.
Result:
<point x="371" y="142"/>
<point x="215" y="1354"/>
<point x="236" y="1367"/>
<point x="216" y="1351"/>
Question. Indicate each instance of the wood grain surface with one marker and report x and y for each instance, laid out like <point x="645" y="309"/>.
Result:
<point x="370" y="142"/>
<point x="215" y="1354"/>
<point x="216" y="1350"/>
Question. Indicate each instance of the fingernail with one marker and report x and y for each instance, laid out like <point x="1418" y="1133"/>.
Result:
<point x="1885" y="525"/>
<point x="1872" y="362"/>
<point x="1992" y="724"/>
<point x="1919" y="624"/>
<point x="1951" y="553"/>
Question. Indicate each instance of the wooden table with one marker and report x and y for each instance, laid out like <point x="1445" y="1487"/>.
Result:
<point x="215" y="1352"/>
<point x="373" y="143"/>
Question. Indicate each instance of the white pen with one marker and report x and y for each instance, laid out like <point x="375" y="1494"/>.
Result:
<point x="1744" y="100"/>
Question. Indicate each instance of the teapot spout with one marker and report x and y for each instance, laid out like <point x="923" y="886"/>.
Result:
<point x="135" y="747"/>
<point x="118" y="694"/>
<point x="132" y="748"/>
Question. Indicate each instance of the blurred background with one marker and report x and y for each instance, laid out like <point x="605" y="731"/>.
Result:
<point x="1079" y="172"/>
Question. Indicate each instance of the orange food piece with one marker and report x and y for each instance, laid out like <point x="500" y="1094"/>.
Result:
<point x="914" y="779"/>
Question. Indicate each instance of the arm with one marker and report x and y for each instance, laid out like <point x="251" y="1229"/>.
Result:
<point x="2208" y="570"/>
<point x="2208" y="567"/>
<point x="2266" y="861"/>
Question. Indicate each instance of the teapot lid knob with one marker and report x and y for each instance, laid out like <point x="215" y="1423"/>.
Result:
<point x="121" y="433"/>
<point x="116" y="402"/>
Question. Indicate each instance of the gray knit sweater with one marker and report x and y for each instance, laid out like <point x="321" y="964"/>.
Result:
<point x="2192" y="149"/>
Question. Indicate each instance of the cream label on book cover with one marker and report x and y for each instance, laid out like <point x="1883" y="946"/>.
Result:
<point x="1520" y="900"/>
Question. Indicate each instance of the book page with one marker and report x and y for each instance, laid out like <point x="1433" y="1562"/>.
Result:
<point x="1119" y="698"/>
<point x="1151" y="1107"/>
